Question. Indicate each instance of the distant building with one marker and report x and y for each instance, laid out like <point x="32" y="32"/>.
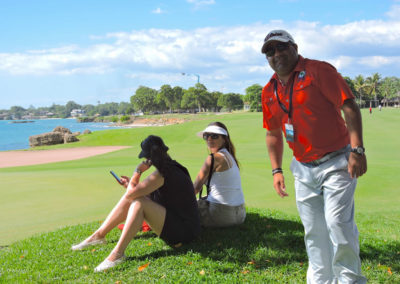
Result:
<point x="4" y="116"/>
<point x="77" y="112"/>
<point x="29" y="116"/>
<point x="393" y="102"/>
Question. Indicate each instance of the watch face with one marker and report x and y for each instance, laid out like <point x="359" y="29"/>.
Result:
<point x="359" y="150"/>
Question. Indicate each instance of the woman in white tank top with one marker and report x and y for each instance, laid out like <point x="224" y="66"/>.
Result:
<point x="224" y="205"/>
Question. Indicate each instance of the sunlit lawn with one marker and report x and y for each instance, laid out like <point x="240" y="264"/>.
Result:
<point x="268" y="247"/>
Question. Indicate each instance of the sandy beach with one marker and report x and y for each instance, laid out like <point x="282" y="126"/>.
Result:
<point x="25" y="158"/>
<point x="144" y="122"/>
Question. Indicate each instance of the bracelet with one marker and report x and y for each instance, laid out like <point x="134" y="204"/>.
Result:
<point x="277" y="170"/>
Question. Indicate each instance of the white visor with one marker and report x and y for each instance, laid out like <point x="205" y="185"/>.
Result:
<point x="213" y="129"/>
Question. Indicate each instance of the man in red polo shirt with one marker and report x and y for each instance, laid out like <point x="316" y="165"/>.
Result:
<point x="303" y="100"/>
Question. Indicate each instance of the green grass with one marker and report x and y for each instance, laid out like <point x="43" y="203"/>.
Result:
<point x="267" y="248"/>
<point x="42" y="198"/>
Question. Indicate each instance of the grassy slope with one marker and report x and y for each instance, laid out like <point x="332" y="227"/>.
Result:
<point x="45" y="197"/>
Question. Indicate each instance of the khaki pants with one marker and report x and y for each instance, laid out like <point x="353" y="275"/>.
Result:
<point x="325" y="200"/>
<point x="220" y="215"/>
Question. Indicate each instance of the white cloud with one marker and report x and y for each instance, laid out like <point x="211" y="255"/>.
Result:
<point x="379" y="61"/>
<point x="158" y="11"/>
<point x="394" y="12"/>
<point x="223" y="56"/>
<point x="341" y="62"/>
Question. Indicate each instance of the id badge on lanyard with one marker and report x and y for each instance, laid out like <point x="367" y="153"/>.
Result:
<point x="289" y="130"/>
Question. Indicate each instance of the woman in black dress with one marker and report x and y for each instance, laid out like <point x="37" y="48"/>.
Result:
<point x="165" y="200"/>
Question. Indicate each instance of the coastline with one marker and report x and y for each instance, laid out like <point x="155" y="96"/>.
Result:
<point x="15" y="136"/>
<point x="16" y="158"/>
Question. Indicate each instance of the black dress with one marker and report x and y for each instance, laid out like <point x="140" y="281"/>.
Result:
<point x="182" y="222"/>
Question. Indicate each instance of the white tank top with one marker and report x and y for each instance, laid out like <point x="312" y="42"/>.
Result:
<point x="226" y="186"/>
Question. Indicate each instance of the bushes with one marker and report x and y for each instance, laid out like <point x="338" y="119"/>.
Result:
<point x="125" y="118"/>
<point x="113" y="119"/>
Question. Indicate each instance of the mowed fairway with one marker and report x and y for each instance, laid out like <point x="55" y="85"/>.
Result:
<point x="45" y="197"/>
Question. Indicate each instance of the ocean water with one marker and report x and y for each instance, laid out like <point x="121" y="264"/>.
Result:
<point x="15" y="136"/>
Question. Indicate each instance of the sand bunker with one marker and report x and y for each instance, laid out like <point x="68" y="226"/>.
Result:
<point x="34" y="157"/>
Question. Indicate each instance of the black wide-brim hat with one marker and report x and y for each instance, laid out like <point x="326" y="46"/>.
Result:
<point x="152" y="142"/>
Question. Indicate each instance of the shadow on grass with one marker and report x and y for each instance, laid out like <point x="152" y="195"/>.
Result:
<point x="270" y="242"/>
<point x="382" y="254"/>
<point x="261" y="239"/>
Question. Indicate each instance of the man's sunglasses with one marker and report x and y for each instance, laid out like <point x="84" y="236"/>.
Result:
<point x="212" y="135"/>
<point x="282" y="46"/>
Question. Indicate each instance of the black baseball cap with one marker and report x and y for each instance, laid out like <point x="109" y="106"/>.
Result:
<point x="151" y="142"/>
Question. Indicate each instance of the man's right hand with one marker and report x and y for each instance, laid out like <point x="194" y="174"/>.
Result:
<point x="279" y="184"/>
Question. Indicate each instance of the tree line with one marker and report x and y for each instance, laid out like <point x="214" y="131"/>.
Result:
<point x="177" y="99"/>
<point x="145" y="100"/>
<point x="369" y="91"/>
<point x="375" y="90"/>
<point x="64" y="111"/>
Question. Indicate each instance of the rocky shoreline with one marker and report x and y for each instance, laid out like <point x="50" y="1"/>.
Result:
<point x="59" y="135"/>
<point x="22" y="121"/>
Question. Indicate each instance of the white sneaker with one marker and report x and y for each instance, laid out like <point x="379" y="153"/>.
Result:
<point x="85" y="244"/>
<point x="107" y="264"/>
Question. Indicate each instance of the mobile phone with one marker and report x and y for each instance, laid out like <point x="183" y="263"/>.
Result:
<point x="116" y="177"/>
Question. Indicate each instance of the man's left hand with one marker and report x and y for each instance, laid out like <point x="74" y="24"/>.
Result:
<point x="357" y="165"/>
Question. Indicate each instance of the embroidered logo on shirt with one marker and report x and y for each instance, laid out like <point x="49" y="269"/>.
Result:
<point x="302" y="74"/>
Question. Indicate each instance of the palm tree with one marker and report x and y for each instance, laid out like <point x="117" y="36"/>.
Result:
<point x="372" y="84"/>
<point x="359" y="85"/>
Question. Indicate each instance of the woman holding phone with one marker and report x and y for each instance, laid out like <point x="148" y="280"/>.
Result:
<point x="165" y="200"/>
<point x="224" y="204"/>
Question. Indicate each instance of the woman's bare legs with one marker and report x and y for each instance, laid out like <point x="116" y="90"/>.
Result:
<point x="117" y="215"/>
<point x="140" y="209"/>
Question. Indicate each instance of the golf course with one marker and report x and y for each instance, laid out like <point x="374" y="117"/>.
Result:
<point x="46" y="208"/>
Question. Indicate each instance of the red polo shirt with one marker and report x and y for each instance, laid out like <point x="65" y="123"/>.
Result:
<point x="318" y="94"/>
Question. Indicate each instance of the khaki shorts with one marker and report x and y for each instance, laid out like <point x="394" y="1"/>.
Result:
<point x="220" y="215"/>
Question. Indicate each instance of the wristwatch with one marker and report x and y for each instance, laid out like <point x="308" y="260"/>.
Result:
<point x="358" y="150"/>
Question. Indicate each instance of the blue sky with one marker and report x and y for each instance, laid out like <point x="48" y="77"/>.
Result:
<point x="90" y="51"/>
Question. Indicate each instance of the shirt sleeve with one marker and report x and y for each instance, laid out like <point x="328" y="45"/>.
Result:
<point x="270" y="116"/>
<point x="332" y="84"/>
